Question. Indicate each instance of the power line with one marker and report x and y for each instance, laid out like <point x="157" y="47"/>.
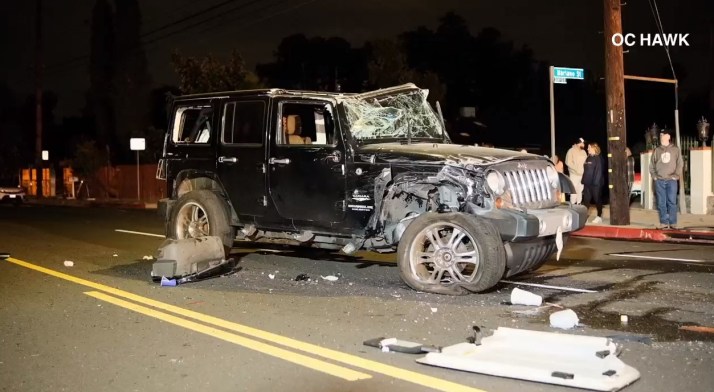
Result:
<point x="198" y="23"/>
<point x="253" y="22"/>
<point x="80" y="59"/>
<point x="660" y="29"/>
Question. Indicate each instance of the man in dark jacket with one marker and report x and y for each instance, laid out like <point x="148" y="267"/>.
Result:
<point x="666" y="169"/>
<point x="593" y="180"/>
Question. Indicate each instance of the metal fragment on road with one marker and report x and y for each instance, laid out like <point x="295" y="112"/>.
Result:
<point x="559" y="242"/>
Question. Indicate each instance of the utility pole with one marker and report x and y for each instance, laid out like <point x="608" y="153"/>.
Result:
<point x="38" y="98"/>
<point x="616" y="131"/>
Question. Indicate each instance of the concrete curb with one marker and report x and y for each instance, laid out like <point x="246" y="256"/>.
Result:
<point x="646" y="234"/>
<point x="621" y="233"/>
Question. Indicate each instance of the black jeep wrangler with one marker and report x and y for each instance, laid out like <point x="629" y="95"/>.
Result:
<point x="371" y="171"/>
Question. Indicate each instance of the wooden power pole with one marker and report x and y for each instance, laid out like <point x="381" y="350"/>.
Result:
<point x="616" y="131"/>
<point x="38" y="97"/>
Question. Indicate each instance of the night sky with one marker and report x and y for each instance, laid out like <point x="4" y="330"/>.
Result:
<point x="563" y="33"/>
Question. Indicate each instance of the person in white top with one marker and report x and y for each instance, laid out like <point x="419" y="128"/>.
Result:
<point x="575" y="160"/>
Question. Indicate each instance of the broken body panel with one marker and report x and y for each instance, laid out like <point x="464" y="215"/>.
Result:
<point x="354" y="172"/>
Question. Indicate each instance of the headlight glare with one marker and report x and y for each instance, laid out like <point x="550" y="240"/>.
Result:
<point x="496" y="182"/>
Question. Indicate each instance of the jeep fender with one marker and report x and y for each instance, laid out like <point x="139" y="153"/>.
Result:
<point x="191" y="180"/>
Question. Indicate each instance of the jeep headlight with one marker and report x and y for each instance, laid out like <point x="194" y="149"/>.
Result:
<point x="496" y="182"/>
<point x="553" y="178"/>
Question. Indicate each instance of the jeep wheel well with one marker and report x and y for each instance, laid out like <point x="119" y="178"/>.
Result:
<point x="410" y="195"/>
<point x="192" y="180"/>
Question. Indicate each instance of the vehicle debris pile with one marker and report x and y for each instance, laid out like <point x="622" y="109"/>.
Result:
<point x="190" y="259"/>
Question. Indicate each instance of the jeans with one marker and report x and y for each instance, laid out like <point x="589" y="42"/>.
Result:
<point x="593" y="194"/>
<point x="666" y="191"/>
<point x="577" y="197"/>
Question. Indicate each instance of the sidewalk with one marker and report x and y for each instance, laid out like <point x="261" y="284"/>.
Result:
<point x="111" y="203"/>
<point x="691" y="228"/>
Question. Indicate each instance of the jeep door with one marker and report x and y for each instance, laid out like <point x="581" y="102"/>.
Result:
<point x="241" y="154"/>
<point x="307" y="163"/>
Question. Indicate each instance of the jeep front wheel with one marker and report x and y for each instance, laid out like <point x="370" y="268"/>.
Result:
<point x="451" y="253"/>
<point x="198" y="214"/>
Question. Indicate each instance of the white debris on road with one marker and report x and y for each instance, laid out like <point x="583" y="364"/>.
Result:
<point x="559" y="242"/>
<point x="68" y="263"/>
<point x="564" y="319"/>
<point x="523" y="297"/>
<point x="330" y="278"/>
<point x="271" y="276"/>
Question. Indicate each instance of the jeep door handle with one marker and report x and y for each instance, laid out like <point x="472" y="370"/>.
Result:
<point x="274" y="161"/>
<point x="227" y="159"/>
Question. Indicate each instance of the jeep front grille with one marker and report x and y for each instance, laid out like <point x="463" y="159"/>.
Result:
<point x="529" y="188"/>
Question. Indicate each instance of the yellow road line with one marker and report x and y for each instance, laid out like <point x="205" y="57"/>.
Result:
<point x="353" y="360"/>
<point x="299" y="359"/>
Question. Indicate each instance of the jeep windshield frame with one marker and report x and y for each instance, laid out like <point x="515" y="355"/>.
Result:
<point x="403" y="115"/>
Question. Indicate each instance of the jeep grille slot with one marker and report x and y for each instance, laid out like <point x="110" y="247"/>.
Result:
<point x="529" y="188"/>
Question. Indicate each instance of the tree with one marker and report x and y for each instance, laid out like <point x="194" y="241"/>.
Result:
<point x="388" y="67"/>
<point x="317" y="63"/>
<point x="208" y="73"/>
<point x="101" y="71"/>
<point x="131" y="78"/>
<point x="88" y="159"/>
<point x="10" y="134"/>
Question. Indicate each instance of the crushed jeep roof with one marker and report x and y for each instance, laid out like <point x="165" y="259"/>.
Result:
<point x="273" y="92"/>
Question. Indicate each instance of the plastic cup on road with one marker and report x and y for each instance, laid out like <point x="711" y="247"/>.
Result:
<point x="523" y="297"/>
<point x="564" y="319"/>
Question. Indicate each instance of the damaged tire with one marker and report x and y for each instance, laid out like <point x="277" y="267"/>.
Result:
<point x="201" y="213"/>
<point x="452" y="253"/>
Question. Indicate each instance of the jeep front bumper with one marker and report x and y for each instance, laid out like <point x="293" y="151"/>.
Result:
<point x="517" y="225"/>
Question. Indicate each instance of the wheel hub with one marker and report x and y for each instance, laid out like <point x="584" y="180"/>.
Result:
<point x="193" y="229"/>
<point x="444" y="258"/>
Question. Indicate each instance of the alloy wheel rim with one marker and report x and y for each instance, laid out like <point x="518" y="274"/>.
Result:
<point x="444" y="253"/>
<point x="192" y="221"/>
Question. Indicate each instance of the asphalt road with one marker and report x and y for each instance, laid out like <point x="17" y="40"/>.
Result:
<point x="103" y="325"/>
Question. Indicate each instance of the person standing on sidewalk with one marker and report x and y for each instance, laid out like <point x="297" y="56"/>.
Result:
<point x="630" y="170"/>
<point x="575" y="160"/>
<point x="593" y="180"/>
<point x="666" y="169"/>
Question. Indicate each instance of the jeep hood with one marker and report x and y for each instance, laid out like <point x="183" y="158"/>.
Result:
<point x="434" y="153"/>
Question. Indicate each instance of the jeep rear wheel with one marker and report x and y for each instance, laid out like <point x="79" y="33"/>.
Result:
<point x="201" y="213"/>
<point x="451" y="253"/>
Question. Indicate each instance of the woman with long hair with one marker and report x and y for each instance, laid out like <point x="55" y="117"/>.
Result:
<point x="593" y="180"/>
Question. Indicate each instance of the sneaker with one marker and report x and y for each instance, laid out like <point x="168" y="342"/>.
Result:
<point x="667" y="227"/>
<point x="597" y="220"/>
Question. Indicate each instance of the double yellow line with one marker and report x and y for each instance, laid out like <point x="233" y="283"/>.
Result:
<point x="281" y="353"/>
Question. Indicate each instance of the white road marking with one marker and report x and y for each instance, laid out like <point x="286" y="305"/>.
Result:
<point x="658" y="258"/>
<point x="545" y="286"/>
<point x="140" y="233"/>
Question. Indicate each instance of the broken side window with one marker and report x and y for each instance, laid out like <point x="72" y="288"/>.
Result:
<point x="192" y="125"/>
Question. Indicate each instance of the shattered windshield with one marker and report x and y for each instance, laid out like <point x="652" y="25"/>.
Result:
<point x="391" y="117"/>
